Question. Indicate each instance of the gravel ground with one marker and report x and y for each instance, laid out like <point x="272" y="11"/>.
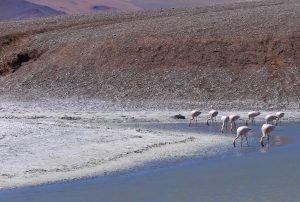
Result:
<point x="243" y="55"/>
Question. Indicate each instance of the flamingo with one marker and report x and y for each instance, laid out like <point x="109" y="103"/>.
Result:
<point x="194" y="116"/>
<point x="270" y="118"/>
<point x="232" y="119"/>
<point x="225" y="120"/>
<point x="266" y="130"/>
<point x="240" y="132"/>
<point x="212" y="116"/>
<point x="252" y="116"/>
<point x="280" y="115"/>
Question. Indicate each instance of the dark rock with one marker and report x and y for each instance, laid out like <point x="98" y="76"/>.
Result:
<point x="70" y="118"/>
<point x="179" y="116"/>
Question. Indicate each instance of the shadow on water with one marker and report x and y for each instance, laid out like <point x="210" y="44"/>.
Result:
<point x="253" y="174"/>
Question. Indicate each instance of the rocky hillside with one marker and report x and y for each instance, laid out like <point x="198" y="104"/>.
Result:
<point x="234" y="55"/>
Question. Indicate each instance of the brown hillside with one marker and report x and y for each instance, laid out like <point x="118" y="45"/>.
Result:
<point x="247" y="53"/>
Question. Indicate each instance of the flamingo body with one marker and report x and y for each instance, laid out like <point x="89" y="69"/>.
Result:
<point x="194" y="116"/>
<point x="225" y="120"/>
<point x="280" y="115"/>
<point x="252" y="115"/>
<point x="270" y="118"/>
<point x="212" y="116"/>
<point x="241" y="132"/>
<point x="233" y="119"/>
<point x="266" y="129"/>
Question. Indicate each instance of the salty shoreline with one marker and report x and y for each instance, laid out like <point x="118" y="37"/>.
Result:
<point x="42" y="145"/>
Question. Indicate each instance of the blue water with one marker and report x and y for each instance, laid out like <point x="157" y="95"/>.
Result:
<point x="260" y="175"/>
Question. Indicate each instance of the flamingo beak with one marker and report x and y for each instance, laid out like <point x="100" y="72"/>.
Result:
<point x="233" y="144"/>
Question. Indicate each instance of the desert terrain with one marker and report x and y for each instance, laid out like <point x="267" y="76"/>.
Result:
<point x="238" y="55"/>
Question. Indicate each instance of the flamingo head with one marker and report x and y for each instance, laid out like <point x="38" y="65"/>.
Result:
<point x="262" y="143"/>
<point x="233" y="143"/>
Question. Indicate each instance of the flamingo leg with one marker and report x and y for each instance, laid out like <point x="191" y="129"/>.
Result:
<point x="247" y="141"/>
<point x="208" y="120"/>
<point x="190" y="122"/>
<point x="241" y="141"/>
<point x="196" y="121"/>
<point x="262" y="140"/>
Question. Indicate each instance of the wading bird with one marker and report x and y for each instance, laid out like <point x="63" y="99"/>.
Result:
<point x="266" y="130"/>
<point x="194" y="116"/>
<point x="280" y="115"/>
<point x="212" y="116"/>
<point x="241" y="132"/>
<point x="270" y="119"/>
<point x="225" y="121"/>
<point x="252" y="115"/>
<point x="233" y="119"/>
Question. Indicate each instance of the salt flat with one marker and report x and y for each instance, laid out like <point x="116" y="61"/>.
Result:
<point x="44" y="146"/>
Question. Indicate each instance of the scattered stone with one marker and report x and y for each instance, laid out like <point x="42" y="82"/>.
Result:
<point x="70" y="118"/>
<point x="179" y="116"/>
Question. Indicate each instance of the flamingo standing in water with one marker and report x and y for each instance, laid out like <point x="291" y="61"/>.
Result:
<point x="194" y="116"/>
<point x="280" y="115"/>
<point x="252" y="116"/>
<point x="212" y="116"/>
<point x="266" y="130"/>
<point x="233" y="119"/>
<point x="241" y="132"/>
<point x="270" y="118"/>
<point x="225" y="120"/>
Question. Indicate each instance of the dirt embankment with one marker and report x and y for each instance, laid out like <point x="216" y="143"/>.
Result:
<point x="246" y="53"/>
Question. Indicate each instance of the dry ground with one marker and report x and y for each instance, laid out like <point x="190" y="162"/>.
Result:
<point x="247" y="54"/>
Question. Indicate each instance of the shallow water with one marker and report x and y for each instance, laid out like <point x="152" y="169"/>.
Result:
<point x="243" y="174"/>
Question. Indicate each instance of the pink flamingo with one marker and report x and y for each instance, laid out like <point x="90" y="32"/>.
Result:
<point x="241" y="132"/>
<point x="212" y="116"/>
<point x="194" y="116"/>
<point x="233" y="119"/>
<point x="252" y="116"/>
<point x="266" y="130"/>
<point x="270" y="118"/>
<point x="225" y="120"/>
<point x="280" y="115"/>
